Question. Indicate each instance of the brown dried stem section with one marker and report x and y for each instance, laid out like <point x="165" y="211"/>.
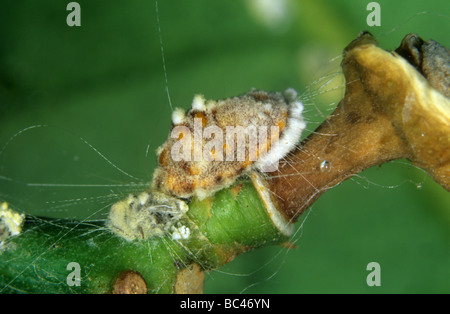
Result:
<point x="390" y="110"/>
<point x="130" y="282"/>
<point x="190" y="280"/>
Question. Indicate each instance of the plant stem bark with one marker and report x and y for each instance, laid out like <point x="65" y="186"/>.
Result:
<point x="389" y="111"/>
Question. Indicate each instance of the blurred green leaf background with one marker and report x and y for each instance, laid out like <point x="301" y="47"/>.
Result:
<point x="70" y="95"/>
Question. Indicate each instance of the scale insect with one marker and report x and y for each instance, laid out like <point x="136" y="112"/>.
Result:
<point x="216" y="142"/>
<point x="235" y="136"/>
<point x="208" y="149"/>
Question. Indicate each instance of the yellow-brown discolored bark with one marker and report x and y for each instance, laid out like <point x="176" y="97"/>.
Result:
<point x="390" y="110"/>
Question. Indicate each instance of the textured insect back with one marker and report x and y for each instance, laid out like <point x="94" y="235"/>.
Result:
<point x="216" y="142"/>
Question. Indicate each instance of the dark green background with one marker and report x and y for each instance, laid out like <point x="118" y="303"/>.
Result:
<point x="104" y="82"/>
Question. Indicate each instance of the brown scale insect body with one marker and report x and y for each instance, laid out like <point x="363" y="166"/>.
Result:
<point x="215" y="169"/>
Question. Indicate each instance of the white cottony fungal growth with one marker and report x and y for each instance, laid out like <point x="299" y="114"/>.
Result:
<point x="178" y="116"/>
<point x="290" y="136"/>
<point x="198" y="103"/>
<point x="10" y="222"/>
<point x="147" y="215"/>
<point x="181" y="233"/>
<point x="290" y="94"/>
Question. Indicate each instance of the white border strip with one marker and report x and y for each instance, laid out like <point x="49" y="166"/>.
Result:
<point x="285" y="227"/>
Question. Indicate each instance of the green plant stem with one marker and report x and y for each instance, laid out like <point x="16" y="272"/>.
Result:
<point x="222" y="227"/>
